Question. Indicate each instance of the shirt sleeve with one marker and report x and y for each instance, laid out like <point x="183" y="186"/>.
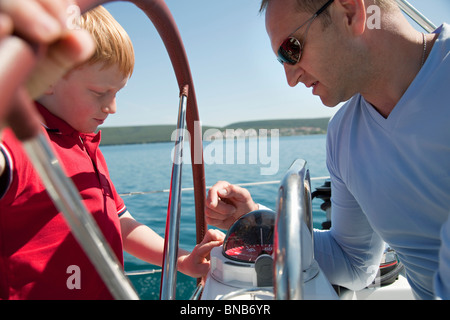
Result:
<point x="120" y="204"/>
<point x="6" y="177"/>
<point x="350" y="252"/>
<point x="442" y="278"/>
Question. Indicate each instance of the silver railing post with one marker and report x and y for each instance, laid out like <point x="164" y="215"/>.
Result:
<point x="416" y="15"/>
<point x="172" y="233"/>
<point x="293" y="234"/>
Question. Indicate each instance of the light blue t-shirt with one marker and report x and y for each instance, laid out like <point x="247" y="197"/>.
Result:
<point x="391" y="182"/>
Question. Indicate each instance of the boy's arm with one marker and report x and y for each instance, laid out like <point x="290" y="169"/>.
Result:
<point x="141" y="241"/>
<point x="145" y="244"/>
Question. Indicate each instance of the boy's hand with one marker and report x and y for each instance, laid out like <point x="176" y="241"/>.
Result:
<point x="226" y="203"/>
<point x="196" y="263"/>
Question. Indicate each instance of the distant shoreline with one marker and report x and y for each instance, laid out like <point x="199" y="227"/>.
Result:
<point x="163" y="133"/>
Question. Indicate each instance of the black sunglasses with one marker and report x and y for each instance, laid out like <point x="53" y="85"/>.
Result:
<point x="291" y="49"/>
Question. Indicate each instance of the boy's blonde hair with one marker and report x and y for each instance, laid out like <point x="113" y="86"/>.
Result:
<point x="113" y="45"/>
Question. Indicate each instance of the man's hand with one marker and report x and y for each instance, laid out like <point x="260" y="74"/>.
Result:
<point x="226" y="203"/>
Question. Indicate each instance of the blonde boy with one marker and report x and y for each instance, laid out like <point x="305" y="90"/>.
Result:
<point x="37" y="250"/>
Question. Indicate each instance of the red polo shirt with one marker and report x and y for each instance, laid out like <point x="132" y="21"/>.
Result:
<point x="39" y="257"/>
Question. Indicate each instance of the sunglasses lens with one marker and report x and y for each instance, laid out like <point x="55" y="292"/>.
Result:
<point x="289" y="51"/>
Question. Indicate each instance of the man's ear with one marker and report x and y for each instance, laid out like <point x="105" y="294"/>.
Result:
<point x="352" y="14"/>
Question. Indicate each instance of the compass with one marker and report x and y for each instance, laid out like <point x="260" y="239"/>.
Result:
<point x="250" y="236"/>
<point x="245" y="259"/>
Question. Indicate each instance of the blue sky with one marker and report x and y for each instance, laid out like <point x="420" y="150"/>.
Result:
<point x="236" y="75"/>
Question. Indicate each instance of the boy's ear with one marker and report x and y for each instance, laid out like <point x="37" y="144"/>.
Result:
<point x="352" y="15"/>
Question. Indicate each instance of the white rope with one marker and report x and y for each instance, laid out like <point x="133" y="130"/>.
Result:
<point x="142" y="272"/>
<point x="248" y="184"/>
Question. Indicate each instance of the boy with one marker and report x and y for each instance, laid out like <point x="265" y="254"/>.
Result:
<point x="37" y="249"/>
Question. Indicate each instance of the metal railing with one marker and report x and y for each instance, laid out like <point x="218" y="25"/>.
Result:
<point x="416" y="15"/>
<point x="172" y="233"/>
<point x="293" y="236"/>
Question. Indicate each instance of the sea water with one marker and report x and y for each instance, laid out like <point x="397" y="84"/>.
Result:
<point x="146" y="169"/>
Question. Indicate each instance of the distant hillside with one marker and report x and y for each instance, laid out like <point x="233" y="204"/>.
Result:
<point x="136" y="135"/>
<point x="321" y="123"/>
<point x="163" y="133"/>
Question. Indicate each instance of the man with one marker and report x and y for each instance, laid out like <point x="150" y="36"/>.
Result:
<point x="388" y="149"/>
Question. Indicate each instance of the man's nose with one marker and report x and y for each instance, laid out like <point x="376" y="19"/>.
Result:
<point x="293" y="74"/>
